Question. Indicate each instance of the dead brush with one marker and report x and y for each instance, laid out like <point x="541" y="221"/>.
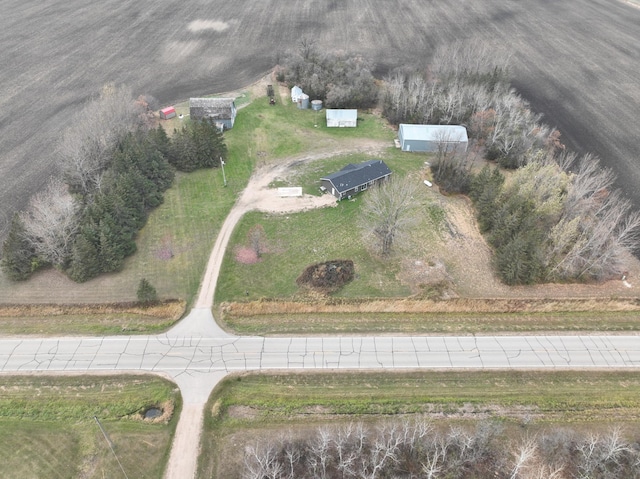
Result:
<point x="172" y="309"/>
<point x="455" y="305"/>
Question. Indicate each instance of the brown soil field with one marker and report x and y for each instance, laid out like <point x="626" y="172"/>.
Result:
<point x="576" y="61"/>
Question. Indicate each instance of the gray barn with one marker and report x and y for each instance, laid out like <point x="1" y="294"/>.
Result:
<point x="221" y="110"/>
<point x="430" y="138"/>
<point x="355" y="178"/>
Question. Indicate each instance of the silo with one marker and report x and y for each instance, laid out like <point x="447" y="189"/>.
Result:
<point x="316" y="105"/>
<point x="303" y="101"/>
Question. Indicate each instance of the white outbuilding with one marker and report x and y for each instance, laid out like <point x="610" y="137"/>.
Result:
<point x="296" y="93"/>
<point x="432" y="138"/>
<point x="342" y="118"/>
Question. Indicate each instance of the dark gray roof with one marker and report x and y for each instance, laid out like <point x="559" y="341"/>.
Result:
<point x="216" y="108"/>
<point x="355" y="175"/>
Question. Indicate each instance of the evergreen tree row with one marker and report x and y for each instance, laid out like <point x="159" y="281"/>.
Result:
<point x="107" y="219"/>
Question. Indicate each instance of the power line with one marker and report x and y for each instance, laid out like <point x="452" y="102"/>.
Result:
<point x="106" y="438"/>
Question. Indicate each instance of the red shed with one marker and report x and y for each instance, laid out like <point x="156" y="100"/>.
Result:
<point x="168" y="112"/>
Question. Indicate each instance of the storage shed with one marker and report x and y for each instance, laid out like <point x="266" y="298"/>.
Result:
<point x="430" y="138"/>
<point x="296" y="92"/>
<point x="221" y="110"/>
<point x="342" y="118"/>
<point x="167" y="113"/>
<point x="355" y="178"/>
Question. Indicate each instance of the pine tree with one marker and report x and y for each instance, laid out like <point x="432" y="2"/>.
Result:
<point x="18" y="257"/>
<point x="85" y="256"/>
<point x="146" y="293"/>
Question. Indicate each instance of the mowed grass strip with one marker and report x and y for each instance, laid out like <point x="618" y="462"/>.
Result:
<point x="432" y="323"/>
<point x="255" y="407"/>
<point x="559" y="394"/>
<point x="48" y="425"/>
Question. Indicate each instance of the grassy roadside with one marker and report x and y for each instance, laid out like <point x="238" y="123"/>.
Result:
<point x="97" y="319"/>
<point x="425" y="316"/>
<point x="48" y="424"/>
<point x="251" y="407"/>
<point x="434" y="323"/>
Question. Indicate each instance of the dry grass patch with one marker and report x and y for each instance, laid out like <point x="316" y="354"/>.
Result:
<point x="405" y="305"/>
<point x="413" y="316"/>
<point x="97" y="319"/>
<point x="164" y="310"/>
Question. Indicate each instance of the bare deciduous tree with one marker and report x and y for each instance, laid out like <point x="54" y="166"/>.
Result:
<point x="387" y="212"/>
<point x="50" y="223"/>
<point x="262" y="462"/>
<point x="598" y="227"/>
<point x="85" y="148"/>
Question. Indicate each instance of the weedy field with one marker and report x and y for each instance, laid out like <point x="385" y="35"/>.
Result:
<point x="250" y="410"/>
<point x="576" y="61"/>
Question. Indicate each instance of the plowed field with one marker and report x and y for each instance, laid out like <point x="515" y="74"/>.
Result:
<point x="577" y="61"/>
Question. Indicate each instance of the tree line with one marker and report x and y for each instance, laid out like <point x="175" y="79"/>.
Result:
<point x="558" y="216"/>
<point x="116" y="167"/>
<point x="340" y="81"/>
<point x="417" y="448"/>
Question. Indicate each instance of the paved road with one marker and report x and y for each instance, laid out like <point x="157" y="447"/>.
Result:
<point x="193" y="356"/>
<point x="197" y="354"/>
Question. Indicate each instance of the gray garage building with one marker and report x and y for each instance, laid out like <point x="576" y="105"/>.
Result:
<point x="429" y="138"/>
<point x="221" y="110"/>
<point x="342" y="118"/>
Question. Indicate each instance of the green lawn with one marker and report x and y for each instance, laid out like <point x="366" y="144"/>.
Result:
<point x="48" y="425"/>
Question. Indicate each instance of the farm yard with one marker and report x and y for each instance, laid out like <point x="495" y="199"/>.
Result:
<point x="576" y="62"/>
<point x="585" y="85"/>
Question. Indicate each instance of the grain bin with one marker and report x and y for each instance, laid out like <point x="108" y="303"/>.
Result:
<point x="303" y="101"/>
<point x="316" y="105"/>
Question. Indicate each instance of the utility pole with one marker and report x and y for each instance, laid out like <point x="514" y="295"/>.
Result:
<point x="224" y="177"/>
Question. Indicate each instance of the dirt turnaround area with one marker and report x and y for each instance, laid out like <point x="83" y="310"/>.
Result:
<point x="576" y="61"/>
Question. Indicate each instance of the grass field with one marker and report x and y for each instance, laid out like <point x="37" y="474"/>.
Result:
<point x="48" y="425"/>
<point x="249" y="408"/>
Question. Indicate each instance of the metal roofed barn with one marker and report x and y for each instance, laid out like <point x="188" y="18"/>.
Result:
<point x="221" y="110"/>
<point x="432" y="138"/>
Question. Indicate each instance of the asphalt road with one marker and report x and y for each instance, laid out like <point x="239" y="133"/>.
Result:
<point x="576" y="61"/>
<point x="199" y="353"/>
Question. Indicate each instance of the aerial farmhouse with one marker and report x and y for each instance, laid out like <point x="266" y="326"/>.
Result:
<point x="221" y="110"/>
<point x="432" y="138"/>
<point x="355" y="178"/>
<point x="342" y="118"/>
